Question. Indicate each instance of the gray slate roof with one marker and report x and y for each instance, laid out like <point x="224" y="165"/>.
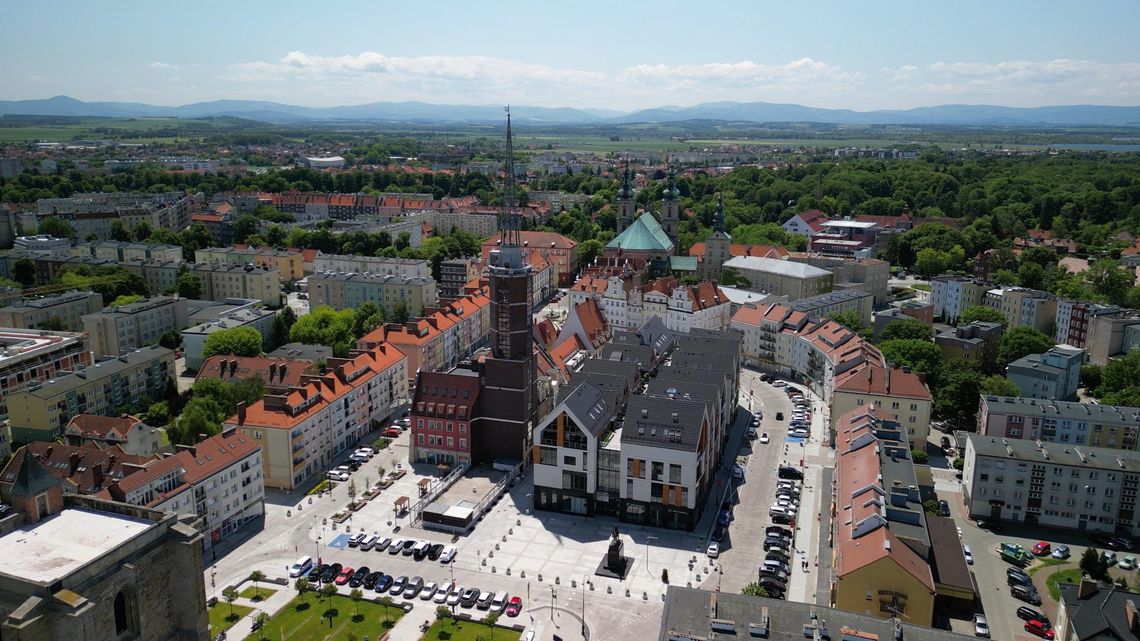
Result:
<point x="649" y="420"/>
<point x="689" y="614"/>
<point x="588" y="404"/>
<point x="1097" y="458"/>
<point x="1099" y="615"/>
<point x="1068" y="410"/>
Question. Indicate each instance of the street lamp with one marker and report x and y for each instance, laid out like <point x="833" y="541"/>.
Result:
<point x="647" y="540"/>
<point x="552" y="595"/>
<point x="585" y="578"/>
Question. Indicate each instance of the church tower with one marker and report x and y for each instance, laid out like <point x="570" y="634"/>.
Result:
<point x="671" y="207"/>
<point x="507" y="378"/>
<point x="718" y="245"/>
<point x="626" y="205"/>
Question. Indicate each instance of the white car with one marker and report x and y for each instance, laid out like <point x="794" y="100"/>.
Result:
<point x="764" y="438"/>
<point x="969" y="554"/>
<point x="338" y="475"/>
<point x="448" y="554"/>
<point x="779" y="383"/>
<point x="453" y="598"/>
<point x="441" y="596"/>
<point x="428" y="591"/>
<point x="737" y="472"/>
<point x="713" y="550"/>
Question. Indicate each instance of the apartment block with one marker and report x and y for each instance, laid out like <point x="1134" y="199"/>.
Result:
<point x="43" y="244"/>
<point x="882" y="548"/>
<point x="837" y="302"/>
<point x="94" y="213"/>
<point x="444" y="417"/>
<point x="1063" y="422"/>
<point x="1077" y="487"/>
<point x="1074" y="320"/>
<point x="782" y="277"/>
<point x="122" y="328"/>
<point x="126" y="433"/>
<point x="219" y="480"/>
<point x="34" y="356"/>
<point x="41" y="411"/>
<point x="953" y="295"/>
<point x="67" y="309"/>
<point x="974" y="343"/>
<point x="225" y="282"/>
<point x="122" y="251"/>
<point x="1054" y="374"/>
<point x="1106" y="336"/>
<point x="350" y="264"/>
<point x="301" y="432"/>
<point x="648" y="455"/>
<point x="289" y="265"/>
<point x="870" y="275"/>
<point x="557" y="249"/>
<point x="341" y="290"/>
<point x="894" y="393"/>
<point x="454" y="274"/>
<point x="1024" y="307"/>
<point x="626" y="303"/>
<point x="194" y="338"/>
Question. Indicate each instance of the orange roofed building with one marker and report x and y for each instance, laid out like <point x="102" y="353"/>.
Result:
<point x="881" y="541"/>
<point x="303" y="430"/>
<point x="897" y="394"/>
<point x="559" y="250"/>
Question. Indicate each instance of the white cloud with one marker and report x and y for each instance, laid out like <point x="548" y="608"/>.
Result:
<point x="900" y="74"/>
<point x="1026" y="82"/>
<point x="162" y="65"/>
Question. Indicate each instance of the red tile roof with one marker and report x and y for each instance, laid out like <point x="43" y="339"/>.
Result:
<point x="537" y="240"/>
<point x="593" y="322"/>
<point x="275" y="372"/>
<point x="87" y="469"/>
<point x="92" y="426"/>
<point x="740" y="249"/>
<point x="877" y="380"/>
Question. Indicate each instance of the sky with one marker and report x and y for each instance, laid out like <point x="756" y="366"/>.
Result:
<point x="616" y="55"/>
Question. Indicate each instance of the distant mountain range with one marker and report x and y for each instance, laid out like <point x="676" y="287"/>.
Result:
<point x="756" y="112"/>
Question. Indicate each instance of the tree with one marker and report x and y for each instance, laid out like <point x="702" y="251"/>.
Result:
<point x="983" y="314"/>
<point x="257" y="576"/>
<point x="998" y="385"/>
<point x="920" y="457"/>
<point x="356" y="595"/>
<point x="852" y="321"/>
<point x="1090" y="376"/>
<point x="24" y="272"/>
<point x="236" y="341"/>
<point x="956" y="395"/>
<point x="1021" y="341"/>
<point x="260" y="619"/>
<point x="230" y="594"/>
<point x="958" y="463"/>
<point x="369" y="316"/>
<point x="491" y="619"/>
<point x="126" y="299"/>
<point x="1109" y="279"/>
<point x="352" y="491"/>
<point x="1094" y="564"/>
<point x="754" y="589"/>
<point x="302" y="585"/>
<point x="326" y="326"/>
<point x="245" y="226"/>
<point x="920" y="355"/>
<point x="157" y="414"/>
<point x="188" y="285"/>
<point x="930" y="506"/>
<point x="386" y="601"/>
<point x="120" y="232"/>
<point x="400" y="313"/>
<point x="588" y="250"/>
<point x="57" y="227"/>
<point x="328" y="590"/>
<point x="912" y="329"/>
<point x="170" y="339"/>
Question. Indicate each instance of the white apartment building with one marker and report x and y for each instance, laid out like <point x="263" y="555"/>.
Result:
<point x="303" y="431"/>
<point x="953" y="295"/>
<point x="627" y="305"/>
<point x="119" y="329"/>
<point x="351" y="264"/>
<point x="1050" y="484"/>
<point x="219" y="480"/>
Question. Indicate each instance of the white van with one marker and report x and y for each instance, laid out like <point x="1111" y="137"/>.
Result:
<point x="499" y="602"/>
<point x="301" y="566"/>
<point x="369" y="543"/>
<point x="420" y="549"/>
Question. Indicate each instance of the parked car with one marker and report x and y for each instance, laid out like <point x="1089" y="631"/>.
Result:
<point x="317" y="572"/>
<point x="383" y="544"/>
<point x="448" y="554"/>
<point x="789" y="472"/>
<point x="397" y="546"/>
<point x="331" y="573"/>
<point x="1025" y="593"/>
<point x="434" y="550"/>
<point x="718" y="533"/>
<point x="455" y="595"/>
<point x="393" y="432"/>
<point x="775" y="530"/>
<point x="1127" y="563"/>
<point x="1033" y="626"/>
<point x="337" y="475"/>
<point x="1110" y="558"/>
<point x="358" y="577"/>
<point x="713" y="550"/>
<point x="1027" y="613"/>
<point x="372" y="579"/>
<point x="737" y="472"/>
<point x="782" y="519"/>
<point x="399" y="584"/>
<point x="1061" y="552"/>
<point x="764" y="438"/>
<point x="514" y="606"/>
<point x="485" y="599"/>
<point x="969" y="554"/>
<point x="1042" y="548"/>
<point x="428" y="590"/>
<point x="470" y="596"/>
<point x="981" y="626"/>
<point x="779" y="416"/>
<point x="415" y="584"/>
<point x="344" y="576"/>
<point x="385" y="583"/>
<point x="442" y="594"/>
<point x="944" y="508"/>
<point x="356" y="539"/>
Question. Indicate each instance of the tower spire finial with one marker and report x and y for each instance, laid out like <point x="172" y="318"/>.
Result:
<point x="510" y="224"/>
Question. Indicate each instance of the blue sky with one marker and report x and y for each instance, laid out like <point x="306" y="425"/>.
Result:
<point x="615" y="55"/>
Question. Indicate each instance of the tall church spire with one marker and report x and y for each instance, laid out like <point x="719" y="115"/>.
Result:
<point x="671" y="191"/>
<point x="510" y="223"/>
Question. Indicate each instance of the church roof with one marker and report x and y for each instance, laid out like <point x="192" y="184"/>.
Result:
<point x="32" y="479"/>
<point x="645" y="234"/>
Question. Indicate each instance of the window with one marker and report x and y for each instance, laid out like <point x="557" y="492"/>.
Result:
<point x="658" y="471"/>
<point x="674" y="473"/>
<point x="571" y="461"/>
<point x="463" y="444"/>
<point x="421" y="439"/>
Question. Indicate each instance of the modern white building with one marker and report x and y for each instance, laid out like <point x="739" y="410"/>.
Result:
<point x="1060" y="485"/>
<point x="781" y="277"/>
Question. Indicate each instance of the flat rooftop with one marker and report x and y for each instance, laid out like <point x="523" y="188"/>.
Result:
<point x="47" y="551"/>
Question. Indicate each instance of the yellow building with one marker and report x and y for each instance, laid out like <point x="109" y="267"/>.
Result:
<point x="290" y="266"/>
<point x="896" y="394"/>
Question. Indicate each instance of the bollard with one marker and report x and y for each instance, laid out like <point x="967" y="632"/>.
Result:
<point x="491" y="554"/>
<point x="540" y="576"/>
<point x="609" y="589"/>
<point x="518" y="521"/>
<point x="484" y="563"/>
<point x="504" y="540"/>
<point x="508" y="571"/>
<point x="288" y="512"/>
<point x="496" y="546"/>
<point x="511" y="531"/>
<point x="492" y="569"/>
<point x="644" y="596"/>
<point x="557" y="581"/>
<point x="300" y="506"/>
<point x="310" y="500"/>
<point x="627" y="591"/>
<point x="573" y="583"/>
<point x="522" y="575"/>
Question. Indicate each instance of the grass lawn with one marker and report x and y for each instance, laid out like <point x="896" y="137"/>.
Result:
<point x="1072" y="575"/>
<point x="256" y="593"/>
<point x="308" y="621"/>
<point x="221" y="619"/>
<point x="449" y="629"/>
<point x="1046" y="562"/>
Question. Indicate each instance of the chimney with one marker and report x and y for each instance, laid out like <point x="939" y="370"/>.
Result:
<point x="1087" y="588"/>
<point x="97" y="474"/>
<point x="72" y="461"/>
<point x="272" y="371"/>
<point x="241" y="413"/>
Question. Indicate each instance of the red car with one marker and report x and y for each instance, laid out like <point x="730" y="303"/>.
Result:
<point x="392" y="432"/>
<point x="1034" y="626"/>
<point x="514" y="606"/>
<point x="1041" y="549"/>
<point x="344" y="576"/>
